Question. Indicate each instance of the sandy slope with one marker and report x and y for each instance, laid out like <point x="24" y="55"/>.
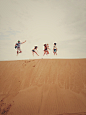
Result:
<point x="43" y="87"/>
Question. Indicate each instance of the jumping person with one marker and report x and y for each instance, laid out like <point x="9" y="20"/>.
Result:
<point x="17" y="45"/>
<point x="45" y="50"/>
<point x="34" y="50"/>
<point x="55" y="49"/>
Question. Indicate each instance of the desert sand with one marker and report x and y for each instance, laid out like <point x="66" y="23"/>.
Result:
<point x="43" y="87"/>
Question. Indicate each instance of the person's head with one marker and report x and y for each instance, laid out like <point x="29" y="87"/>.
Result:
<point x="54" y="43"/>
<point x="18" y="41"/>
<point x="45" y="45"/>
<point x="36" y="47"/>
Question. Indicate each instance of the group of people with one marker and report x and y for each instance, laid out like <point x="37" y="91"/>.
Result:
<point x="46" y="48"/>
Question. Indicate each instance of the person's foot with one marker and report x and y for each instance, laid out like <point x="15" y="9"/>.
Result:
<point x="17" y="52"/>
<point x="20" y="52"/>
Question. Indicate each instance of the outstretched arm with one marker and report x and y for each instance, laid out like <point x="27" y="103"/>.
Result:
<point x="23" y="42"/>
<point x="36" y="53"/>
<point x="48" y="48"/>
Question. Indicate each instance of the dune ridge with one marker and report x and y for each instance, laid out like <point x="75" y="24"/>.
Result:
<point x="43" y="87"/>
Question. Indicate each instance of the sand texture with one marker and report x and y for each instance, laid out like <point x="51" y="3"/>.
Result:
<point x="43" y="87"/>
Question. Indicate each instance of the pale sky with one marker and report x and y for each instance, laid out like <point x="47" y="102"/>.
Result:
<point x="39" y="22"/>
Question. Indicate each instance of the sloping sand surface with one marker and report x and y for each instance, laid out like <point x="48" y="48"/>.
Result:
<point x="43" y="87"/>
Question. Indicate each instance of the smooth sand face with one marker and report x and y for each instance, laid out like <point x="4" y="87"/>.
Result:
<point x="43" y="87"/>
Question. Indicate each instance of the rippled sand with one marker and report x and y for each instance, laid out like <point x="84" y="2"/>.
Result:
<point x="43" y="87"/>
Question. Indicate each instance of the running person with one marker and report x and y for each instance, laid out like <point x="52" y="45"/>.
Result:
<point x="55" y="49"/>
<point x="34" y="50"/>
<point x="45" y="50"/>
<point x="17" y="45"/>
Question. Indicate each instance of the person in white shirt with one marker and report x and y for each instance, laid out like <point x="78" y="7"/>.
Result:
<point x="55" y="49"/>
<point x="17" y="45"/>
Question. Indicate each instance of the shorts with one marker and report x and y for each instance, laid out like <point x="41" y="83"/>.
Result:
<point x="18" y="49"/>
<point x="55" y="50"/>
<point x="33" y="50"/>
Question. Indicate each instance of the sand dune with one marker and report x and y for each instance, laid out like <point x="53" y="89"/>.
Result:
<point x="43" y="87"/>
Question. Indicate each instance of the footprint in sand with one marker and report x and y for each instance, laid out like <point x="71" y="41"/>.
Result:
<point x="34" y="66"/>
<point x="4" y="108"/>
<point x="27" y="61"/>
<point x="23" y="64"/>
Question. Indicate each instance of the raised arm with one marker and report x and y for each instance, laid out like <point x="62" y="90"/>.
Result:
<point x="23" y="42"/>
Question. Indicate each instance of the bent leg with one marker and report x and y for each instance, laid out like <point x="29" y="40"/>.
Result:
<point x="44" y="53"/>
<point x="32" y="53"/>
<point x="20" y="52"/>
<point x="17" y="52"/>
<point x="47" y="52"/>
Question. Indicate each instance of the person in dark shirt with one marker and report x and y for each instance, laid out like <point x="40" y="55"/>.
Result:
<point x="34" y="50"/>
<point x="45" y="50"/>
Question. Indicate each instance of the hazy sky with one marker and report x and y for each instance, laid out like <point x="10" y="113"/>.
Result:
<point x="43" y="21"/>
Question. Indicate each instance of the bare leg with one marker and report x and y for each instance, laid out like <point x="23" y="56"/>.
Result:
<point x="47" y="52"/>
<point x="32" y="53"/>
<point x="20" y="52"/>
<point x="17" y="52"/>
<point x="55" y="53"/>
<point x="36" y="53"/>
<point x="44" y="53"/>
